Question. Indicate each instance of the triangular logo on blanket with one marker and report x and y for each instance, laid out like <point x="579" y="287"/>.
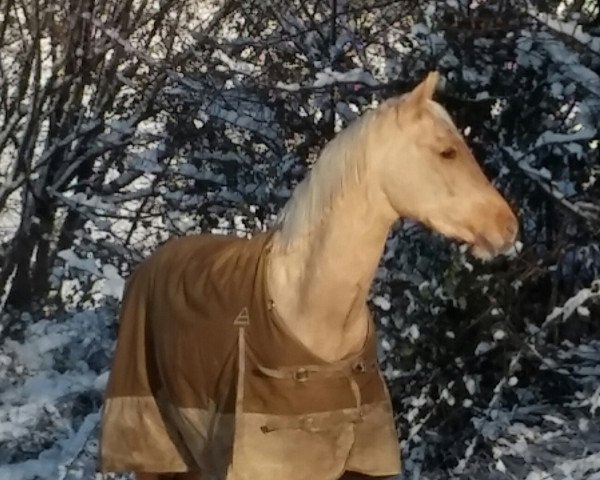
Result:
<point x="243" y="318"/>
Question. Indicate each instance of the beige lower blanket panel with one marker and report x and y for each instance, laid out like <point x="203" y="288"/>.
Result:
<point x="355" y="446"/>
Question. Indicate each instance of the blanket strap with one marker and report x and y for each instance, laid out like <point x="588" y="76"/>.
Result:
<point x="344" y="369"/>
<point x="303" y="373"/>
<point x="241" y="321"/>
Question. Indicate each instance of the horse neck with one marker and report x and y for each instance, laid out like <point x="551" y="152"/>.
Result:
<point x="320" y="280"/>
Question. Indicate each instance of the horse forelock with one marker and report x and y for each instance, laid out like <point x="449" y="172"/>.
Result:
<point x="441" y="113"/>
<point x="433" y="107"/>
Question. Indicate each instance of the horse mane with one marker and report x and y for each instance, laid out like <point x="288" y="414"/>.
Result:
<point x="340" y="166"/>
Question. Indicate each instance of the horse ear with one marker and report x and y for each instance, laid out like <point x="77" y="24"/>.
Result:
<point x="424" y="90"/>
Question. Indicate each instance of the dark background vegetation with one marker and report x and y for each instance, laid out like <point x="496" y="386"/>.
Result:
<point x="123" y="123"/>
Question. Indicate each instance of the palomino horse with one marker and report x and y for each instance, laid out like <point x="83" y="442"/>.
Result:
<point x="256" y="359"/>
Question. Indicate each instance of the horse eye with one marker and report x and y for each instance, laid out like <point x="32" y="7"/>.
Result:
<point x="448" y="153"/>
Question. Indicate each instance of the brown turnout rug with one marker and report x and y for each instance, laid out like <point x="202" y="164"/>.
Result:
<point x="206" y="378"/>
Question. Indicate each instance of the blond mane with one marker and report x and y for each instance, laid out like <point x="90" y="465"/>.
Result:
<point x="340" y="166"/>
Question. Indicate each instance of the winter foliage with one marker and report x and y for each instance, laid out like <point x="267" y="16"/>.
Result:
<point x="125" y="123"/>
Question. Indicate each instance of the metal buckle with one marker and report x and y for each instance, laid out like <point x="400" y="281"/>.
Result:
<point x="359" y="367"/>
<point x="301" y="375"/>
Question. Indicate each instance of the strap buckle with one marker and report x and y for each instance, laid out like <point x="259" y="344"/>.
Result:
<point x="301" y="374"/>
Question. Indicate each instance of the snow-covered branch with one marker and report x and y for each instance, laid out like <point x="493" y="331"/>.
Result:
<point x="542" y="179"/>
<point x="570" y="28"/>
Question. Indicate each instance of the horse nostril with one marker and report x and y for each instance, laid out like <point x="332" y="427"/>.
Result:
<point x="511" y="229"/>
<point x="511" y="224"/>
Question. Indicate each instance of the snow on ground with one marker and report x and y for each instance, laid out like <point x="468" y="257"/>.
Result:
<point x="51" y="385"/>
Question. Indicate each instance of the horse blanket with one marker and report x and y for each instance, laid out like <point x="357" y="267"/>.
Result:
<point x="206" y="378"/>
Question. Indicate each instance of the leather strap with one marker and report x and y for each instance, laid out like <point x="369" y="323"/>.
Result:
<point x="313" y="423"/>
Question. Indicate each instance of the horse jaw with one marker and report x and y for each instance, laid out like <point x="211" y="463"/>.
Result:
<point x="478" y="244"/>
